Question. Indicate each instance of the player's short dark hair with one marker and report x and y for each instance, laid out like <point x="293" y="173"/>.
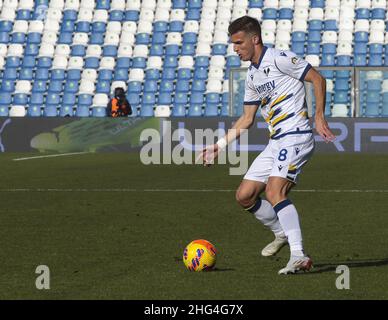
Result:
<point x="247" y="24"/>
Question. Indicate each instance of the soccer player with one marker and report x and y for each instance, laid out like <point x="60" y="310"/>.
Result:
<point x="274" y="84"/>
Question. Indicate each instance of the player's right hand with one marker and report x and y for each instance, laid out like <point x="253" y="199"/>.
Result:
<point x="208" y="155"/>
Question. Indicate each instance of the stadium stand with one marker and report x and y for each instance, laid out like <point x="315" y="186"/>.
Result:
<point x="63" y="57"/>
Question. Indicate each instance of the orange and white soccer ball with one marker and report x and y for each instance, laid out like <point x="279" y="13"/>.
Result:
<point x="199" y="255"/>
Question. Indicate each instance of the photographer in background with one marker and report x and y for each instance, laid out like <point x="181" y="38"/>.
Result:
<point x="119" y="106"/>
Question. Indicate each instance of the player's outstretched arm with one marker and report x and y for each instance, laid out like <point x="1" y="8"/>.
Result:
<point x="210" y="153"/>
<point x="319" y="84"/>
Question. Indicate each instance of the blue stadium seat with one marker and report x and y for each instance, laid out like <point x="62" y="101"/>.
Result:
<point x="156" y="50"/>
<point x="219" y="49"/>
<point x="65" y="38"/>
<point x="166" y="86"/>
<point x="362" y="13"/>
<point x="103" y="87"/>
<point x="329" y="48"/>
<point x="70" y="15"/>
<point x="50" y="111"/>
<point x="58" y="74"/>
<point x="160" y="26"/>
<point x="131" y="15"/>
<point x="341" y="84"/>
<point x="148" y="98"/>
<point x="170" y="62"/>
<point x="102" y="4"/>
<point x="39" y="86"/>
<point x="12" y="62"/>
<point x="143" y="38"/>
<point x="121" y="74"/>
<point x="98" y="27"/>
<point x="330" y="25"/>
<point x="193" y="14"/>
<point x="42" y="74"/>
<point x="384" y="109"/>
<point x="26" y="74"/>
<point x="66" y="111"/>
<point x="134" y="87"/>
<point x="195" y="110"/>
<point x="28" y="62"/>
<point x="359" y="60"/>
<point x="105" y="75"/>
<point x="202" y="61"/>
<point x="198" y="85"/>
<point x="69" y="99"/>
<point x="286" y="14"/>
<point x="328" y="74"/>
<point x="150" y="86"/>
<point x="71" y="86"/>
<point x="172" y="50"/>
<point x="375" y="60"/>
<point x="200" y="73"/>
<point x="109" y="51"/>
<point x="344" y="60"/>
<point x="123" y="62"/>
<point x="4" y="110"/>
<point x="53" y="99"/>
<point x="78" y="50"/>
<point x="190" y="37"/>
<point x="82" y="26"/>
<point x="168" y="74"/>
<point x="158" y="38"/>
<point x="23" y="14"/>
<point x="313" y="48"/>
<point x="378" y="13"/>
<point x="68" y="26"/>
<point x="298" y="48"/>
<point x="361" y="36"/>
<point x="97" y="38"/>
<point x="341" y="97"/>
<point x="153" y="74"/>
<point x="233" y="61"/>
<point x="5" y="98"/>
<point x="116" y="15"/>
<point x="99" y="112"/>
<point x="165" y="98"/>
<point x="314" y="36"/>
<point x="181" y="98"/>
<point x="34" y="110"/>
<point x="317" y="3"/>
<point x="147" y="111"/>
<point x="188" y="49"/>
<point x="82" y="111"/>
<point x="211" y="110"/>
<point x="31" y="49"/>
<point x="139" y="62"/>
<point x="10" y="74"/>
<point x="328" y="60"/>
<point x="178" y="110"/>
<point x="315" y="25"/>
<point x="85" y="100"/>
<point x="212" y="98"/>
<point x="18" y="37"/>
<point x="270" y="14"/>
<point x="176" y="26"/>
<point x="179" y="4"/>
<point x="6" y="26"/>
<point x="184" y="74"/>
<point x="373" y="85"/>
<point x="20" y="99"/>
<point x="133" y="98"/>
<point x="34" y="38"/>
<point x="44" y="62"/>
<point x="37" y="99"/>
<point x="4" y="37"/>
<point x="196" y="98"/>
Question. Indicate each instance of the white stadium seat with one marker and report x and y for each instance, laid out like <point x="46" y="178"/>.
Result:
<point x="54" y="14"/>
<point x="111" y="39"/>
<point x="149" y="4"/>
<point x="7" y="14"/>
<point x="118" y="84"/>
<point x="376" y="37"/>
<point x="214" y="86"/>
<point x="225" y="4"/>
<point x="129" y="26"/>
<point x="316" y="14"/>
<point x="49" y="37"/>
<point x="86" y="87"/>
<point x="89" y="74"/>
<point x="23" y="86"/>
<point x="347" y="24"/>
<point x="203" y="49"/>
<point x="15" y="50"/>
<point x="146" y="14"/>
<point x="164" y="4"/>
<point x="57" y="4"/>
<point x="2" y="62"/>
<point x="329" y="37"/>
<point x="60" y="62"/>
<point x="117" y="5"/>
<point x="85" y="15"/>
<point x="155" y="62"/>
<point x="209" y="4"/>
<point x="17" y="111"/>
<point x="379" y="4"/>
<point x="313" y="59"/>
<point x="332" y="13"/>
<point x="124" y="50"/>
<point x="107" y="63"/>
<point x="133" y="5"/>
<point x="100" y="100"/>
<point x="20" y="26"/>
<point x="36" y="26"/>
<point x="93" y="50"/>
<point x="100" y="16"/>
<point x="72" y="5"/>
<point x="140" y="50"/>
<point x="329" y="85"/>
<point x="365" y="4"/>
<point x="285" y="25"/>
<point x="186" y="62"/>
<point x="114" y="27"/>
<point x="174" y="38"/>
<point x="268" y="37"/>
<point x="206" y="25"/>
<point x="215" y="73"/>
<point x="46" y="50"/>
<point x="286" y="4"/>
<point x="283" y="37"/>
<point x="271" y="4"/>
<point x="75" y="63"/>
<point x="136" y="75"/>
<point x="344" y="48"/>
<point x="377" y="25"/>
<point x="80" y="38"/>
<point x="162" y="14"/>
<point x="3" y="49"/>
<point x="191" y="26"/>
<point x="13" y="4"/>
<point x="221" y="37"/>
<point x="224" y="14"/>
<point x="127" y="38"/>
<point x="299" y="25"/>
<point x="339" y="110"/>
<point x="255" y="13"/>
<point x="361" y="25"/>
<point x="177" y="15"/>
<point x="268" y="25"/>
<point x="87" y="4"/>
<point x="217" y="61"/>
<point x="162" y="111"/>
<point x="144" y="27"/>
<point x="345" y="36"/>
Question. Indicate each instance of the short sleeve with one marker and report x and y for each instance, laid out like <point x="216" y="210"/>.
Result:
<point x="251" y="96"/>
<point x="292" y="65"/>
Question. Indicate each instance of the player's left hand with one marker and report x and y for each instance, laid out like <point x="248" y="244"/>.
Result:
<point x="323" y="129"/>
<point x="209" y="154"/>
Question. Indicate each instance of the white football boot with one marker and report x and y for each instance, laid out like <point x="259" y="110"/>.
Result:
<point x="274" y="247"/>
<point x="297" y="263"/>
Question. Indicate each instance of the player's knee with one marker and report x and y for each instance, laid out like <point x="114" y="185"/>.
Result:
<point x="244" y="198"/>
<point x="273" y="196"/>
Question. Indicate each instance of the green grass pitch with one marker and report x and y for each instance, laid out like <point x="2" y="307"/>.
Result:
<point x="127" y="242"/>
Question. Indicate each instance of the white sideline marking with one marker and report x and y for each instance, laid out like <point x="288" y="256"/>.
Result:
<point x="51" y="156"/>
<point x="180" y="190"/>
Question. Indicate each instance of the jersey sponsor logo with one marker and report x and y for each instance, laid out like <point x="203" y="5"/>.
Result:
<point x="269" y="86"/>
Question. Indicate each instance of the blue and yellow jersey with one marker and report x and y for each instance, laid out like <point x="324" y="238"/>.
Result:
<point x="275" y="84"/>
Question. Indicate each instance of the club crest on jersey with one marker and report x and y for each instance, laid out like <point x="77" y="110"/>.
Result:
<point x="294" y="60"/>
<point x="266" y="71"/>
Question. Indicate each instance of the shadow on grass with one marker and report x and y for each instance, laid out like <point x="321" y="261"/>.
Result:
<point x="332" y="266"/>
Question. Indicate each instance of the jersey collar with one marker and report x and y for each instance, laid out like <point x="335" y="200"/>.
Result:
<point x="260" y="59"/>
